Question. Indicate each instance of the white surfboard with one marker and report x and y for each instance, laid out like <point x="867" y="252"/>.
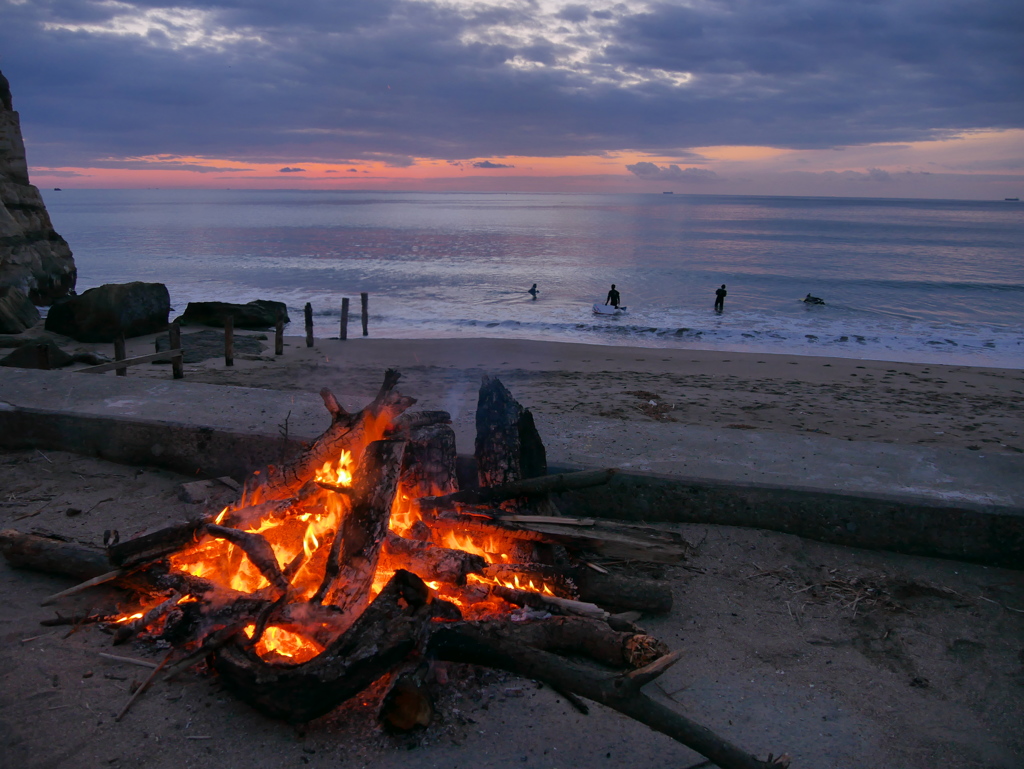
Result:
<point x="607" y="309"/>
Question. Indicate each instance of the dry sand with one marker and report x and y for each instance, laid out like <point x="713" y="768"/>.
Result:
<point x="652" y="389"/>
<point x="841" y="657"/>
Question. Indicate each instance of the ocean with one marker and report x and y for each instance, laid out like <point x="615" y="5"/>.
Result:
<point x="932" y="281"/>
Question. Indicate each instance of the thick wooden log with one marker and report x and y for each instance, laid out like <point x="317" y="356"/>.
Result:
<point x="550" y="603"/>
<point x="614" y="592"/>
<point x="356" y="548"/>
<point x="508" y="447"/>
<point x="428" y="465"/>
<point x="53" y="556"/>
<point x="479" y="644"/>
<point x="578" y="636"/>
<point x="347" y="432"/>
<point x="430" y="562"/>
<point x="155" y="543"/>
<point x="387" y="632"/>
<point x="545" y="484"/>
<point x="609" y="538"/>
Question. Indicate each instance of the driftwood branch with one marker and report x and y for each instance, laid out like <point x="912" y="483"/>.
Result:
<point x="472" y="643"/>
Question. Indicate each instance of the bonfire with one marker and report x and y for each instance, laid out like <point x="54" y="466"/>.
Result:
<point x="361" y="561"/>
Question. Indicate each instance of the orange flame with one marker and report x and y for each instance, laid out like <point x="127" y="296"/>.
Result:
<point x="285" y="643"/>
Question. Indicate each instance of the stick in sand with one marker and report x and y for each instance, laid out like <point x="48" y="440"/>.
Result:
<point x="110" y="575"/>
<point x="145" y="685"/>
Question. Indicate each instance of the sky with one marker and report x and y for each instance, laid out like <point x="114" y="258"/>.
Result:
<point x="867" y="98"/>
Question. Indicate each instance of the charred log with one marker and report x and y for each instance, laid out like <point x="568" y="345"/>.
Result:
<point x="391" y="628"/>
<point x="428" y="466"/>
<point x="508" y="446"/>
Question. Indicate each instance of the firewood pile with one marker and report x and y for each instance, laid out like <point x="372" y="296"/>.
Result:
<point x="361" y="560"/>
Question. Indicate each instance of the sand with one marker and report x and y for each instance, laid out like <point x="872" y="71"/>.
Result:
<point x="925" y="669"/>
<point x="840" y="657"/>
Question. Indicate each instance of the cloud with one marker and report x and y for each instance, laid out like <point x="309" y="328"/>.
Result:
<point x="36" y="171"/>
<point x="489" y="164"/>
<point x="400" y="80"/>
<point x="671" y="173"/>
<point x="288" y="170"/>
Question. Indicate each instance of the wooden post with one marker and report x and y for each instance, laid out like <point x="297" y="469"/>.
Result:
<point x="229" y="340"/>
<point x="174" y="340"/>
<point x="309" y="325"/>
<point x="43" y="357"/>
<point x="365" y="299"/>
<point x="344" y="319"/>
<point x="279" y="334"/>
<point x="119" y="354"/>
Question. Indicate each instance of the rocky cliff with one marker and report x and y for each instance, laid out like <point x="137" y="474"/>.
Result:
<point x="33" y="257"/>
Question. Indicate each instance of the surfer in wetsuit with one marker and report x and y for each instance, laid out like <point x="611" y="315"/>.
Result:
<point x="613" y="297"/>
<point x="813" y="300"/>
<point x="533" y="291"/>
<point x="720" y="298"/>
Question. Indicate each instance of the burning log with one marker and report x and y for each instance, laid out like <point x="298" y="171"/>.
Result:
<point x="352" y="561"/>
<point x="430" y="562"/>
<point x="480" y="537"/>
<point x="508" y="446"/>
<point x="154" y="544"/>
<point x="390" y="629"/>
<point x="346" y="433"/>
<point x="614" y="592"/>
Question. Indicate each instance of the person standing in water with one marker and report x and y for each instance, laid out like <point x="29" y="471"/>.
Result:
<point x="720" y="298"/>
<point x="613" y="297"/>
<point x="533" y="291"/>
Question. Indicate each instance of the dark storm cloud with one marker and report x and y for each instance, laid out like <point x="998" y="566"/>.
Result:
<point x="394" y="80"/>
<point x="288" y="170"/>
<point x="489" y="164"/>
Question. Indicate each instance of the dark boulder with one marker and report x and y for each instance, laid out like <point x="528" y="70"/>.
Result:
<point x="17" y="313"/>
<point x="258" y="314"/>
<point x="101" y="314"/>
<point x="32" y="356"/>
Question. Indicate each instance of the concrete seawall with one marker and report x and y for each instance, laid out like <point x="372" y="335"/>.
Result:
<point x="211" y="430"/>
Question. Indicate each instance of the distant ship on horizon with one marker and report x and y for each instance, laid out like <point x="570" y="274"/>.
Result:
<point x="1012" y="200"/>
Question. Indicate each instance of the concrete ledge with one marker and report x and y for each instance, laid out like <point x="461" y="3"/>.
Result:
<point x="993" y="535"/>
<point x="213" y="430"/>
